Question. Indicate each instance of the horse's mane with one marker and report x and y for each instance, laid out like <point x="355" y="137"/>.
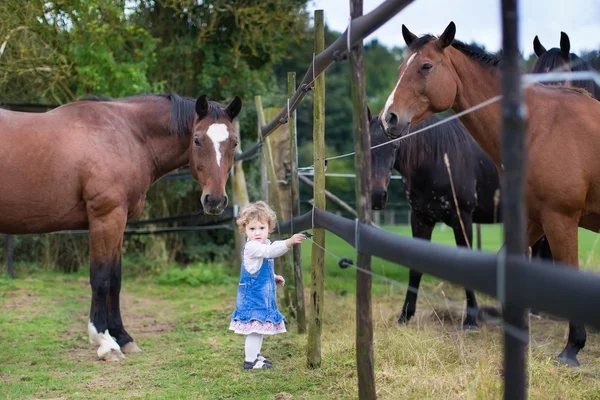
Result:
<point x="429" y="147"/>
<point x="581" y="64"/>
<point x="472" y="51"/>
<point x="183" y="109"/>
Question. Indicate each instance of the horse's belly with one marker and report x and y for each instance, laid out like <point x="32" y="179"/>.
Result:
<point x="39" y="217"/>
<point x="32" y="205"/>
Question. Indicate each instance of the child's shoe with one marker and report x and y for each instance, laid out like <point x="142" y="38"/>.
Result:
<point x="263" y="359"/>
<point x="257" y="364"/>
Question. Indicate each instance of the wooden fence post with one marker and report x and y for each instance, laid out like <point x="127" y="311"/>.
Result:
<point x="272" y="195"/>
<point x="277" y="155"/>
<point x="362" y="144"/>
<point x="317" y="267"/>
<point x="239" y="194"/>
<point x="295" y="198"/>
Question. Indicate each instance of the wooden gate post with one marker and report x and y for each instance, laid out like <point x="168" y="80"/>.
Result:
<point x="365" y="364"/>
<point x="239" y="197"/>
<point x="295" y="199"/>
<point x="317" y="267"/>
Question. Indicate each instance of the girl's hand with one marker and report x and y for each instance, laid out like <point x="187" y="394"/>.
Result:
<point x="295" y="239"/>
<point x="280" y="280"/>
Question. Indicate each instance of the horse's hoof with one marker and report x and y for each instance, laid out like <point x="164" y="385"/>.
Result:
<point x="470" y="327"/>
<point x="489" y="315"/>
<point x="403" y="320"/>
<point x="113" y="355"/>
<point x="565" y="359"/>
<point x="130" y="348"/>
<point x="535" y="314"/>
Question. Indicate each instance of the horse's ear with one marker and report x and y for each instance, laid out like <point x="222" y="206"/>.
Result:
<point x="447" y="37"/>
<point x="408" y="36"/>
<point x="565" y="46"/>
<point x="234" y="108"/>
<point x="202" y="106"/>
<point x="369" y="114"/>
<point x="537" y="47"/>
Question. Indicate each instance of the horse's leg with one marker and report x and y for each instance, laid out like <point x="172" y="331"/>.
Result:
<point x="106" y="239"/>
<point x="420" y="229"/>
<point x="464" y="238"/>
<point x="561" y="232"/>
<point x="115" y="324"/>
<point x="541" y="249"/>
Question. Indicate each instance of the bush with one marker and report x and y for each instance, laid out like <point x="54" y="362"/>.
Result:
<point x="196" y="275"/>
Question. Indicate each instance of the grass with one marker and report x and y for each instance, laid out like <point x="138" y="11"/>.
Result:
<point x="181" y="325"/>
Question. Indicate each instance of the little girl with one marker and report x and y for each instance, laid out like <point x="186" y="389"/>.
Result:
<point x="256" y="312"/>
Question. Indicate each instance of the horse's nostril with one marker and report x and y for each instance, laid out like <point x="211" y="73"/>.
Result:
<point x="391" y="119"/>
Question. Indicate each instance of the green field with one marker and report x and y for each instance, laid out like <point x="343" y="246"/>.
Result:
<point x="189" y="354"/>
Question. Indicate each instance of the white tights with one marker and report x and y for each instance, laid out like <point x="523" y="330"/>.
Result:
<point x="253" y="345"/>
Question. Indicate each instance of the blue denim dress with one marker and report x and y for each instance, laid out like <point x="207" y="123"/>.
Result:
<point x="257" y="298"/>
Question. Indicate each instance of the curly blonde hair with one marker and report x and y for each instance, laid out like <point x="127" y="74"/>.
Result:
<point x="260" y="211"/>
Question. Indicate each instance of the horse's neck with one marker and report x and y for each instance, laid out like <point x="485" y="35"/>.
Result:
<point x="476" y="84"/>
<point x="166" y="152"/>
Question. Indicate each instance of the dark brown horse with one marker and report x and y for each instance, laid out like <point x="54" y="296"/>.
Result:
<point x="89" y="164"/>
<point x="561" y="59"/>
<point x="562" y="139"/>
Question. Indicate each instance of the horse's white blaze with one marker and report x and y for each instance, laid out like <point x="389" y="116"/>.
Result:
<point x="218" y="133"/>
<point x="390" y="99"/>
<point x="104" y="341"/>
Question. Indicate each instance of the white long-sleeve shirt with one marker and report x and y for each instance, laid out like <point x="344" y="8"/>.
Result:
<point x="255" y="251"/>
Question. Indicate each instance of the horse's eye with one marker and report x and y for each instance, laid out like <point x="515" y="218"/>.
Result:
<point x="426" y="67"/>
<point x="196" y="141"/>
<point x="235" y="144"/>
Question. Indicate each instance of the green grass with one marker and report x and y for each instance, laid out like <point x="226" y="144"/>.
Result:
<point x="181" y="324"/>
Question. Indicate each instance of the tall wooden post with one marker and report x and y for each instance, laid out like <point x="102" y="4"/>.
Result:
<point x="239" y="197"/>
<point x="294" y="194"/>
<point x="513" y="201"/>
<point x="272" y="196"/>
<point x="317" y="267"/>
<point x="277" y="156"/>
<point x="362" y="161"/>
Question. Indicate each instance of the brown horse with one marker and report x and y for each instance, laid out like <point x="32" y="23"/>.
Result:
<point x="562" y="139"/>
<point x="88" y="165"/>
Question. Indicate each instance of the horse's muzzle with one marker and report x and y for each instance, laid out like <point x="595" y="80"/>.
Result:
<point x="378" y="199"/>
<point x="213" y="205"/>
<point x="397" y="130"/>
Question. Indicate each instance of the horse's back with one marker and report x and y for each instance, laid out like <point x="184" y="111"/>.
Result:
<point x="52" y="163"/>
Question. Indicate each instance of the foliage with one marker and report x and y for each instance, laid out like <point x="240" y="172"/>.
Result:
<point x="196" y="275"/>
<point x="56" y="52"/>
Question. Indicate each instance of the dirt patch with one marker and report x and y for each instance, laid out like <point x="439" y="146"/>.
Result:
<point x="21" y="299"/>
<point x="142" y="316"/>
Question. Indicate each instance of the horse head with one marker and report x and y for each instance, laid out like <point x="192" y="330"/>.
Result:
<point x="553" y="59"/>
<point x="211" y="150"/>
<point x="427" y="82"/>
<point x="383" y="159"/>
